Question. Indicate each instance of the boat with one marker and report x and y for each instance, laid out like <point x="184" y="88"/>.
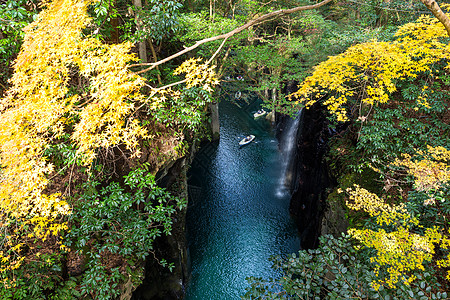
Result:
<point x="259" y="113"/>
<point x="247" y="140"/>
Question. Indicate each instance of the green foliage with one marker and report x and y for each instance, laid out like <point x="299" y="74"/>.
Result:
<point x="111" y="224"/>
<point x="404" y="127"/>
<point x="335" y="270"/>
<point x="431" y="208"/>
<point x="155" y="20"/>
<point x="376" y="13"/>
<point x="197" y="26"/>
<point x="63" y="155"/>
<point x="159" y="19"/>
<point x="38" y="279"/>
<point x="14" y="16"/>
<point x="332" y="270"/>
<point x="113" y="229"/>
<point x="103" y="12"/>
<point x="185" y="111"/>
<point x="270" y="64"/>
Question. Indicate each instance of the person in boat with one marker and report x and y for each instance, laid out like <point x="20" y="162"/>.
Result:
<point x="261" y="111"/>
<point x="247" y="138"/>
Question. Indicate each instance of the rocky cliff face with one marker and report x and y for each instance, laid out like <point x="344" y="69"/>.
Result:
<point x="310" y="178"/>
<point x="159" y="282"/>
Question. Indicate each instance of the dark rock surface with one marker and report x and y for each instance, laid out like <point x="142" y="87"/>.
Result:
<point x="310" y="178"/>
<point x="160" y="283"/>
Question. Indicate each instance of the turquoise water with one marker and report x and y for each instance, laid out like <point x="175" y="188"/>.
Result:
<point x="236" y="217"/>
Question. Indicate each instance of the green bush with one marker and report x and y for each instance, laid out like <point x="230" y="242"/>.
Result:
<point x="113" y="229"/>
<point x="335" y="270"/>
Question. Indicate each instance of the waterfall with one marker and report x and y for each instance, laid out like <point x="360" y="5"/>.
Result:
<point x="236" y="225"/>
<point x="287" y="148"/>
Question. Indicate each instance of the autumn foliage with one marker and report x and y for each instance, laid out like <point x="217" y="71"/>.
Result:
<point x="41" y="105"/>
<point x="410" y="234"/>
<point x="72" y="91"/>
<point x="370" y="72"/>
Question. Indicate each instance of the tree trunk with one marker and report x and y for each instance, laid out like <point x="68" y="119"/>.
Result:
<point x="155" y="59"/>
<point x="274" y="95"/>
<point x="438" y="13"/>
<point x="357" y="11"/>
<point x="210" y="9"/>
<point x="190" y="5"/>
<point x="266" y="94"/>
<point x="115" y="27"/>
<point x="115" y="30"/>
<point x="142" y="46"/>
<point x="382" y="15"/>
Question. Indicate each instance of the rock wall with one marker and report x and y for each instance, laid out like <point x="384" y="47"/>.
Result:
<point x="310" y="177"/>
<point x="161" y="283"/>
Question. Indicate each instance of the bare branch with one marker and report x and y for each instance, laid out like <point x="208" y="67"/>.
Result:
<point x="259" y="20"/>
<point x="168" y="86"/>
<point x="217" y="52"/>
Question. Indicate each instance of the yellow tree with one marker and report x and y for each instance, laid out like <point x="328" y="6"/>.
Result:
<point x="69" y="88"/>
<point x="399" y="248"/>
<point x="66" y="88"/>
<point x="352" y="86"/>
<point x="40" y="106"/>
<point x="370" y="71"/>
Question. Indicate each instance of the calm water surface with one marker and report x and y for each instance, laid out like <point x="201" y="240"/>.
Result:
<point x="237" y="218"/>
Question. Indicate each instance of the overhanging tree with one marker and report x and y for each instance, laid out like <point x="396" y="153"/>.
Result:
<point x="74" y="93"/>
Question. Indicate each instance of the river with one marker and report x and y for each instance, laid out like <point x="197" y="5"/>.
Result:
<point x="236" y="218"/>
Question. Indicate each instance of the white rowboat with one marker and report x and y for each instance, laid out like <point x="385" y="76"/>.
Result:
<point x="247" y="140"/>
<point x="259" y="113"/>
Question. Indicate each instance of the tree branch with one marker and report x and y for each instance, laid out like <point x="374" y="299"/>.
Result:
<point x="261" y="19"/>
<point x="217" y="51"/>
<point x="167" y="86"/>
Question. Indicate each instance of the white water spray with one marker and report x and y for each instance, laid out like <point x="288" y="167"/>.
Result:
<point x="288" y="141"/>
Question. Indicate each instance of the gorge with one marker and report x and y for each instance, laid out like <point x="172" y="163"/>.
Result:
<point x="236" y="219"/>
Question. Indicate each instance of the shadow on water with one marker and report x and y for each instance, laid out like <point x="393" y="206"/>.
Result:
<point x="235" y="219"/>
